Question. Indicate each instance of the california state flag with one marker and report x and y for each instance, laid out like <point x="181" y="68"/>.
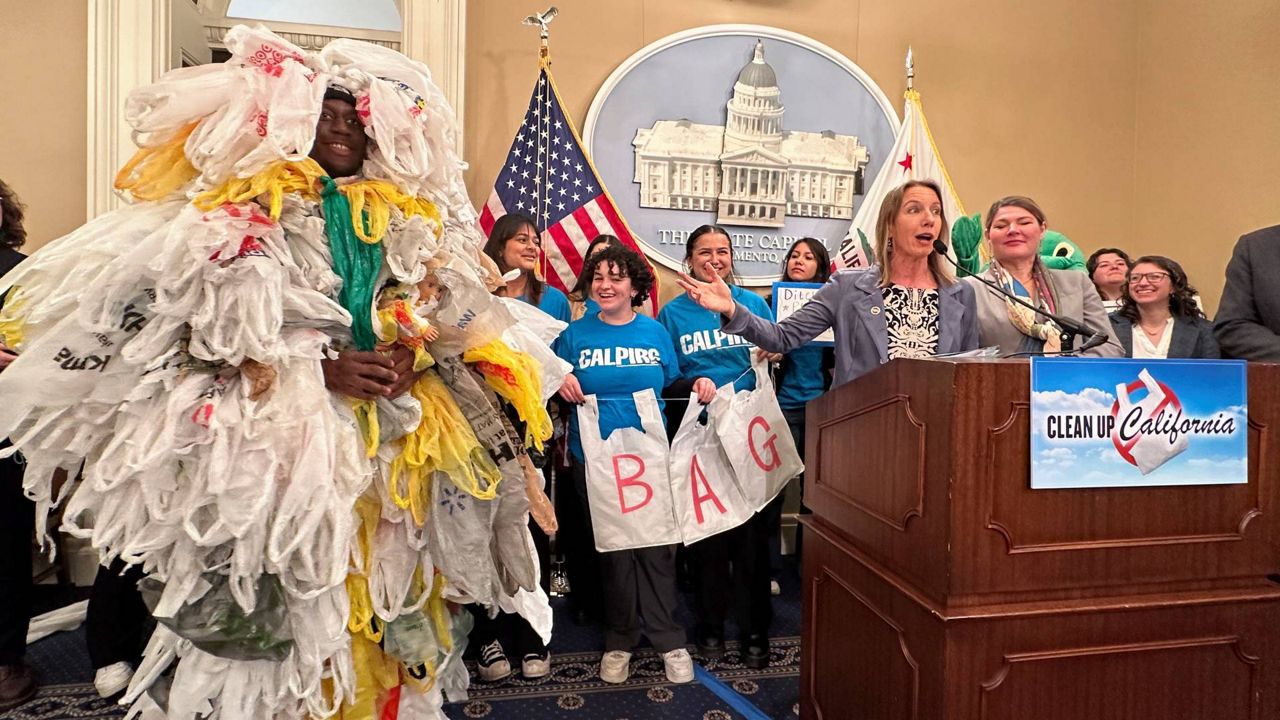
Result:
<point x="914" y="157"/>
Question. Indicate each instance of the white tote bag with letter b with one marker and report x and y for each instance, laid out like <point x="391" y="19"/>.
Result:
<point x="628" y="488"/>
<point x="756" y="439"/>
<point x="706" y="493"/>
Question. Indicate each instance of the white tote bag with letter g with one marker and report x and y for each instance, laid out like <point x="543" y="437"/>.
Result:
<point x="628" y="488"/>
<point x="705" y="490"/>
<point x="756" y="439"/>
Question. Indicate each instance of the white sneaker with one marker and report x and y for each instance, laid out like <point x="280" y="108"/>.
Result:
<point x="113" y="679"/>
<point x="774" y="588"/>
<point x="679" y="665"/>
<point x="536" y="666"/>
<point x="615" y="666"/>
<point x="493" y="665"/>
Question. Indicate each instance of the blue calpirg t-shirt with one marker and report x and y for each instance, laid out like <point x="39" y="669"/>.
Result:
<point x="703" y="348"/>
<point x="612" y="362"/>
<point x="553" y="303"/>
<point x="804" y="379"/>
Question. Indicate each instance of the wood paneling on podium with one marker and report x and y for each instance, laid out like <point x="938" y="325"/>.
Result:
<point x="938" y="585"/>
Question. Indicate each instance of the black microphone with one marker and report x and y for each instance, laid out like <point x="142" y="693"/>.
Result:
<point x="1070" y="328"/>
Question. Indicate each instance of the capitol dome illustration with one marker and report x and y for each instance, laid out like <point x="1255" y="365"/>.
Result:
<point x="750" y="170"/>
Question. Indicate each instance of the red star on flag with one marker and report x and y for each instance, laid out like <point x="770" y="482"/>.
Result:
<point x="906" y="163"/>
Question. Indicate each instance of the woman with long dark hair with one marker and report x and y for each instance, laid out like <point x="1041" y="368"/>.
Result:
<point x="1159" y="316"/>
<point x="514" y="244"/>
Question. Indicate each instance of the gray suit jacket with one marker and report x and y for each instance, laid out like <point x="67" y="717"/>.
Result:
<point x="1192" y="337"/>
<point x="852" y="302"/>
<point x="1077" y="300"/>
<point x="1248" y="321"/>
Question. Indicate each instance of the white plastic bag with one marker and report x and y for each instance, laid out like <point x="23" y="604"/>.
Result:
<point x="1148" y="452"/>
<point x="755" y="436"/>
<point x="703" y="486"/>
<point x="628" y="487"/>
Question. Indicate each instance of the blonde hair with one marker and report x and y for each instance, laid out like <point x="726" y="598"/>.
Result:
<point x="889" y="210"/>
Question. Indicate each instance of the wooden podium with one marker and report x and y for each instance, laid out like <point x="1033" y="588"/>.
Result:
<point x="939" y="586"/>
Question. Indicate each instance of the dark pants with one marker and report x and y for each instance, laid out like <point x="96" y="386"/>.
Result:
<point x="117" y="624"/>
<point x="574" y="541"/>
<point x="639" y="585"/>
<point x="516" y="635"/>
<point x="731" y="571"/>
<point x="17" y="524"/>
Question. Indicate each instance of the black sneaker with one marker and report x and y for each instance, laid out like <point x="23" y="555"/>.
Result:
<point x="493" y="664"/>
<point x="754" y="651"/>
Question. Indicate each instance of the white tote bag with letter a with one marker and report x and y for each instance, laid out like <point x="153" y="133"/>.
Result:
<point x="703" y="485"/>
<point x="756" y="439"/>
<point x="628" y="488"/>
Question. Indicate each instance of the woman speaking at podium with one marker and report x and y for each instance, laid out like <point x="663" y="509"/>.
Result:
<point x="906" y="305"/>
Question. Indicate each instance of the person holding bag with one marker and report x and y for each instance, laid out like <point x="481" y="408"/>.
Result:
<point x="615" y="353"/>
<point x="709" y="359"/>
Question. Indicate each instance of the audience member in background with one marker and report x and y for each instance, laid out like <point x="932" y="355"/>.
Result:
<point x="17" y="513"/>
<point x="730" y="569"/>
<point x="1109" y="268"/>
<point x="1015" y="226"/>
<point x="906" y="305"/>
<point x="639" y="584"/>
<point x="1160" y="317"/>
<point x="802" y="374"/>
<point x="1248" y="320"/>
<point x="514" y="245"/>
<point x="580" y="302"/>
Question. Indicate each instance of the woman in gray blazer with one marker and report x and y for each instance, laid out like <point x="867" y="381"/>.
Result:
<point x="1015" y="226"/>
<point x="906" y="305"/>
<point x="1159" y="316"/>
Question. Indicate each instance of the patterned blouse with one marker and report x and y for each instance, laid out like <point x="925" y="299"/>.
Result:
<point x="911" y="315"/>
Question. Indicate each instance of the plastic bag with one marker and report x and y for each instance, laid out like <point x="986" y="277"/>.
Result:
<point x="755" y="437"/>
<point x="1147" y="452"/>
<point x="216" y="624"/>
<point x="628" y="485"/>
<point x="705" y="490"/>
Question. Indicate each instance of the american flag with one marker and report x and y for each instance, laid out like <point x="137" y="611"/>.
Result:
<point x="549" y="177"/>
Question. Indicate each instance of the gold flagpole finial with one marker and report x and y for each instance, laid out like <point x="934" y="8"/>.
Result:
<point x="541" y="20"/>
<point x="911" y="68"/>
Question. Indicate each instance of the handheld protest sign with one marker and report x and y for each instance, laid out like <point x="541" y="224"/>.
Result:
<point x="628" y="489"/>
<point x="756" y="439"/>
<point x="706" y="494"/>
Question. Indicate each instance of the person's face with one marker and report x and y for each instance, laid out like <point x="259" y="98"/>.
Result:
<point x="341" y="144"/>
<point x="1150" y="285"/>
<point x="802" y="265"/>
<point x="611" y="288"/>
<point x="521" y="250"/>
<point x="1111" y="269"/>
<point x="712" y="248"/>
<point x="1015" y="234"/>
<point x="918" y="224"/>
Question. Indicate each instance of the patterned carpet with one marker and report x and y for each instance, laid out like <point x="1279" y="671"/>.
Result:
<point x="573" y="691"/>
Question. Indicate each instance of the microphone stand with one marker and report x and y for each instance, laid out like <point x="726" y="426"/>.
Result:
<point x="1070" y="328"/>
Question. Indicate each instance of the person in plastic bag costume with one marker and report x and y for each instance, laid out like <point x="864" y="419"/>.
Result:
<point x="243" y="363"/>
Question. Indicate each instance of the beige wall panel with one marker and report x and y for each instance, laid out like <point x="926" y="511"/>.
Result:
<point x="1208" y="132"/>
<point x="43" y="50"/>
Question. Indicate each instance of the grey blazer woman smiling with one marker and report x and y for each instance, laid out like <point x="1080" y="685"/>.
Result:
<point x="906" y="305"/>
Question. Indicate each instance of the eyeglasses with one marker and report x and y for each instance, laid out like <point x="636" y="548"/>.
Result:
<point x="1151" y="277"/>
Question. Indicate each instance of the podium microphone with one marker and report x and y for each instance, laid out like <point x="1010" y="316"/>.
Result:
<point x="1070" y="328"/>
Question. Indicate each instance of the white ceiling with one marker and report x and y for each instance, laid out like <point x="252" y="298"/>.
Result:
<point x="364" y="14"/>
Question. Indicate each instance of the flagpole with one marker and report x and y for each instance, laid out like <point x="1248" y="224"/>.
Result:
<point x="542" y="20"/>
<point x="911" y="69"/>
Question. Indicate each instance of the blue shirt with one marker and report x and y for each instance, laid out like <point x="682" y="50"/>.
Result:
<point x="804" y="379"/>
<point x="612" y="362"/>
<point x="703" y="348"/>
<point x="553" y="303"/>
